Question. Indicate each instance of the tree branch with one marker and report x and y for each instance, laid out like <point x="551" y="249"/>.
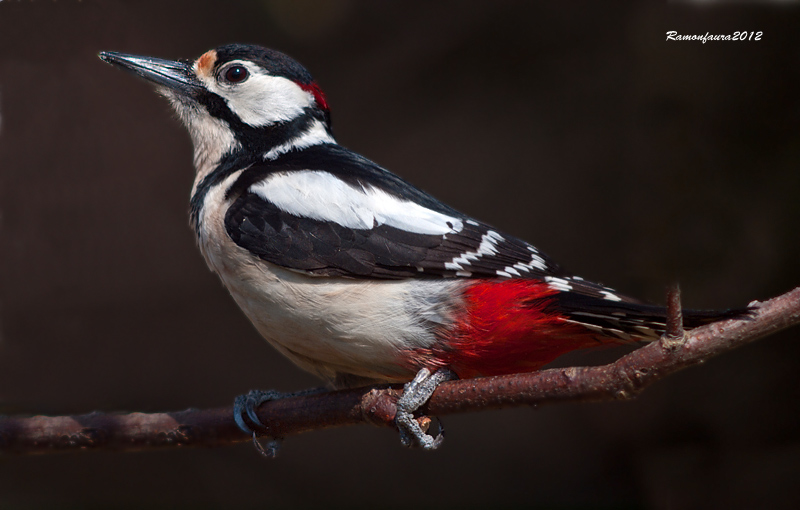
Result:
<point x="622" y="379"/>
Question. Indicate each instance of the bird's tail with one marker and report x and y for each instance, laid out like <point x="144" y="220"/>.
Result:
<point x="518" y="325"/>
<point x="630" y="320"/>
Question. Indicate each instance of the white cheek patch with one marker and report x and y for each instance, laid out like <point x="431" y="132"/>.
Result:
<point x="262" y="99"/>
<point x="324" y="197"/>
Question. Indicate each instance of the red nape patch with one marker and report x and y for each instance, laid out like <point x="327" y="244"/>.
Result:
<point x="319" y="96"/>
<point x="509" y="326"/>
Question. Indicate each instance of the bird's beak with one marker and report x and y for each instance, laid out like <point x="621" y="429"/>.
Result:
<point x="174" y="75"/>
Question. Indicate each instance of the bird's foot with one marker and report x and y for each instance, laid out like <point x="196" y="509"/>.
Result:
<point x="244" y="413"/>
<point x="415" y="394"/>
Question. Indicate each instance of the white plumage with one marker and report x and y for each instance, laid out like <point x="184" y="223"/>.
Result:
<point x="324" y="197"/>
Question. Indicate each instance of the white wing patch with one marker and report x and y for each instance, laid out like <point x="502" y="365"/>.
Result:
<point x="322" y="196"/>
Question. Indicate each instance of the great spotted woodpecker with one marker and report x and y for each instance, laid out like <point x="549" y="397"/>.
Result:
<point x="348" y="270"/>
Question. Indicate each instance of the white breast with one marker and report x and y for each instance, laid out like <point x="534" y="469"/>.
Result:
<point x="329" y="326"/>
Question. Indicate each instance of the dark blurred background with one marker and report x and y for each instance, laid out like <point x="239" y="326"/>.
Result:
<point x="632" y="160"/>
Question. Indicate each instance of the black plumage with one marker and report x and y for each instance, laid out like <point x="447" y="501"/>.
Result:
<point x="326" y="248"/>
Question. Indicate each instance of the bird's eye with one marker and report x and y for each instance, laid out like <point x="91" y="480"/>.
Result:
<point x="235" y="74"/>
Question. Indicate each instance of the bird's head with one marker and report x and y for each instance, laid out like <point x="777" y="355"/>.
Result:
<point x="238" y="98"/>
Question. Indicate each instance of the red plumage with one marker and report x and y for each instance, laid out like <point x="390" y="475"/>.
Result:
<point x="319" y="96"/>
<point x="510" y="326"/>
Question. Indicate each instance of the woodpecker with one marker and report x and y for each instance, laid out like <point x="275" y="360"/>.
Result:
<point x="348" y="270"/>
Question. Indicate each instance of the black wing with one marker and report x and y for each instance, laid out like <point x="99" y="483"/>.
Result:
<point x="309" y="244"/>
<point x="328" y="249"/>
<point x="316" y="246"/>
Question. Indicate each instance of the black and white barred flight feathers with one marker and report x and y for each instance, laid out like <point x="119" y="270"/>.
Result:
<point x="298" y="200"/>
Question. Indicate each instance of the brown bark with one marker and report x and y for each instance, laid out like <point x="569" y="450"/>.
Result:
<point x="622" y="379"/>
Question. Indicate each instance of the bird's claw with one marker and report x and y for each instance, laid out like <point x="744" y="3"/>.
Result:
<point x="415" y="394"/>
<point x="245" y="406"/>
<point x="244" y="413"/>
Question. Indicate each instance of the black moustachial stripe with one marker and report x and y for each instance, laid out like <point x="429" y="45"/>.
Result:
<point x="253" y="144"/>
<point x="259" y="140"/>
